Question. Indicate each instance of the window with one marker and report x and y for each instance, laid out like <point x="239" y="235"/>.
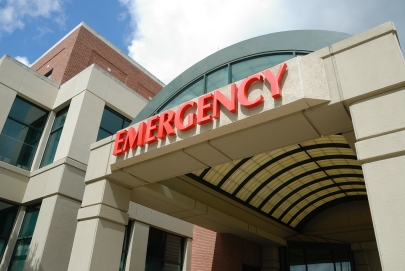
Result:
<point x="21" y="133"/>
<point x="125" y="246"/>
<point x="251" y="66"/>
<point x="319" y="257"/>
<point x="54" y="137"/>
<point x="111" y="122"/>
<point x="49" y="74"/>
<point x="165" y="251"/>
<point x="217" y="79"/>
<point x="24" y="238"/>
<point x="8" y="213"/>
<point x="194" y="90"/>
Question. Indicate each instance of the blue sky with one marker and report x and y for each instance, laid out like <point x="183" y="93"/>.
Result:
<point x="167" y="37"/>
<point x="39" y="33"/>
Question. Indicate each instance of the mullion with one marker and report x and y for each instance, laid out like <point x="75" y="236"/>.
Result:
<point x="105" y="130"/>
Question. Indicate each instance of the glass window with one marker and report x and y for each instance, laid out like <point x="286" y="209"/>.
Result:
<point x="342" y="260"/>
<point x="195" y="90"/>
<point x="297" y="260"/>
<point x="49" y="74"/>
<point x="54" y="137"/>
<point x="24" y="238"/>
<point x="8" y="213"/>
<point x="319" y="260"/>
<point x="111" y="122"/>
<point x="21" y="133"/>
<point x="251" y="66"/>
<point x="217" y="79"/>
<point x="125" y="246"/>
<point x="165" y="251"/>
<point x="319" y="257"/>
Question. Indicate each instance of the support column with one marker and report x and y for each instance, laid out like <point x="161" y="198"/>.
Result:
<point x="379" y="124"/>
<point x="270" y="259"/>
<point x="366" y="256"/>
<point x="187" y="255"/>
<point x="53" y="235"/>
<point x="138" y="246"/>
<point x="100" y="231"/>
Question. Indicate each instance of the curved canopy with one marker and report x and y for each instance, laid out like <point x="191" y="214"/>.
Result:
<point x="280" y="44"/>
<point x="293" y="183"/>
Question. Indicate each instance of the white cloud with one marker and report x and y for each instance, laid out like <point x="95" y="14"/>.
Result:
<point x="23" y="60"/>
<point x="14" y="13"/>
<point x="170" y="36"/>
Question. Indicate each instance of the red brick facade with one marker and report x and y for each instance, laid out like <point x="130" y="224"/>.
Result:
<point x="213" y="251"/>
<point x="81" y="49"/>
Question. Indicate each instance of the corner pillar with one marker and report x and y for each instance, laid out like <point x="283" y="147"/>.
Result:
<point x="379" y="126"/>
<point x="53" y="235"/>
<point x="136" y="258"/>
<point x="100" y="231"/>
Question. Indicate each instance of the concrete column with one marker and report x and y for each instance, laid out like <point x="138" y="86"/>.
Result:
<point x="366" y="256"/>
<point x="100" y="232"/>
<point x="379" y="124"/>
<point x="6" y="102"/>
<point x="81" y="127"/>
<point x="12" y="240"/>
<point x="137" y="249"/>
<point x="187" y="255"/>
<point x="270" y="258"/>
<point x="52" y="241"/>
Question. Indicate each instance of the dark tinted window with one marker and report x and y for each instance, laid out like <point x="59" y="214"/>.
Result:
<point x="54" y="137"/>
<point x="24" y="239"/>
<point x="8" y="213"/>
<point x="165" y="251"/>
<point x="21" y="133"/>
<point x="111" y="122"/>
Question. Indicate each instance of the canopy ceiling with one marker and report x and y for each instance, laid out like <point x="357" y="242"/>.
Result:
<point x="291" y="184"/>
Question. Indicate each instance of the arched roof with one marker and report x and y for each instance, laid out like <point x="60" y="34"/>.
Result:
<point x="292" y="184"/>
<point x="296" y="41"/>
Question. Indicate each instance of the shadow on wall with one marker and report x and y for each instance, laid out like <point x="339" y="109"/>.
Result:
<point x="213" y="251"/>
<point x="33" y="264"/>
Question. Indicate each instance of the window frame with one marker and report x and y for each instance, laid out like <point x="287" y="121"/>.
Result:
<point x="60" y="128"/>
<point x="30" y="127"/>
<point x="123" y="125"/>
<point x="164" y="260"/>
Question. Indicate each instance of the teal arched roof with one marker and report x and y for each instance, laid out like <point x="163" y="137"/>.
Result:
<point x="294" y="42"/>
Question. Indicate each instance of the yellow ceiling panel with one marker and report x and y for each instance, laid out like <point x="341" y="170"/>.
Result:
<point x="285" y="180"/>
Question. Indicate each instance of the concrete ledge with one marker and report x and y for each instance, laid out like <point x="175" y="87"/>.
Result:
<point x="382" y="147"/>
<point x="159" y="220"/>
<point x="104" y="212"/>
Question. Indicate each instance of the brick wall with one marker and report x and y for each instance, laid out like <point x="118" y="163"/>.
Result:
<point x="222" y="252"/>
<point x="81" y="49"/>
<point x="57" y="59"/>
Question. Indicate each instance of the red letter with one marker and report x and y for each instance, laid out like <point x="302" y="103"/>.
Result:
<point x="243" y="89"/>
<point x="220" y="98"/>
<point x="191" y="118"/>
<point x="166" y="124"/>
<point x="119" y="148"/>
<point x="203" y="107"/>
<point x="275" y="81"/>
<point x="135" y="139"/>
<point x="151" y="127"/>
